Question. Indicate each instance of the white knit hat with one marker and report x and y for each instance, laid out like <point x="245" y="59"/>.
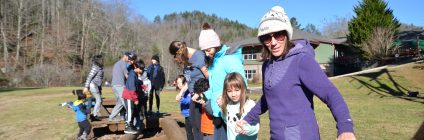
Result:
<point x="275" y="20"/>
<point x="208" y="38"/>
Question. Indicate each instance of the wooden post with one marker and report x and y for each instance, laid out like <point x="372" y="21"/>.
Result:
<point x="172" y="129"/>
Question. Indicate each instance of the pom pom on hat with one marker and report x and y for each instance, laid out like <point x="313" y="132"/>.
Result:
<point x="208" y="38"/>
<point x="275" y="20"/>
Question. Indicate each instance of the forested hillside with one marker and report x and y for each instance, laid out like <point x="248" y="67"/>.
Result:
<point x="50" y="42"/>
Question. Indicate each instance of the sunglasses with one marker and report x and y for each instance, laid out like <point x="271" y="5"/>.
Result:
<point x="279" y="36"/>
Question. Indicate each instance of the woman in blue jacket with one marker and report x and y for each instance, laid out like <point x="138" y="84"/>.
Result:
<point x="220" y="60"/>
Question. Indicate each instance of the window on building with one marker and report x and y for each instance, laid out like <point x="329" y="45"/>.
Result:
<point x="250" y="74"/>
<point x="250" y="56"/>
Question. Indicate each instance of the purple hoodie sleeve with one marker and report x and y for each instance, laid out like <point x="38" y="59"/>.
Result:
<point x="314" y="79"/>
<point x="261" y="107"/>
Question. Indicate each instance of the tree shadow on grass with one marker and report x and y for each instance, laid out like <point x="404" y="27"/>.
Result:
<point x="382" y="88"/>
<point x="15" y="89"/>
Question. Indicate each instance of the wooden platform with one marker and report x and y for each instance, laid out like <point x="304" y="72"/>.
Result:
<point x="163" y="122"/>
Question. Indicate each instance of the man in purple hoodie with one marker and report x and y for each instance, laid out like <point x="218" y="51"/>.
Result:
<point x="291" y="77"/>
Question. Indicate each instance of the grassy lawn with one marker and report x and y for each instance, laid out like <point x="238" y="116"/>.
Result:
<point x="377" y="101"/>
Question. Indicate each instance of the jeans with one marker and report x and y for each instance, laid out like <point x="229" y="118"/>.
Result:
<point x="117" y="90"/>
<point x="189" y="129"/>
<point x="195" y="117"/>
<point x="220" y="132"/>
<point x="96" y="93"/>
<point x="84" y="127"/>
<point x="208" y="137"/>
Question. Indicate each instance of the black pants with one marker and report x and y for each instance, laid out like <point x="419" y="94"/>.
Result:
<point x="84" y="127"/>
<point x="143" y="102"/>
<point x="195" y="117"/>
<point x="157" y="93"/>
<point x="140" y="110"/>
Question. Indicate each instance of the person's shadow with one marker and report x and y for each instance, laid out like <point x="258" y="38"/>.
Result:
<point x="382" y="87"/>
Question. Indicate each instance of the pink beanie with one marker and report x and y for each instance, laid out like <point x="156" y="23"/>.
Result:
<point x="208" y="38"/>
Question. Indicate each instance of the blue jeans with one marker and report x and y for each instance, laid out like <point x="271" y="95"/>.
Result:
<point x="189" y="129"/>
<point x="96" y="94"/>
<point x="195" y="118"/>
<point x="220" y="132"/>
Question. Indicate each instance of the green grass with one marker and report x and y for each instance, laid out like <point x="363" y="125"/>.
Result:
<point x="377" y="101"/>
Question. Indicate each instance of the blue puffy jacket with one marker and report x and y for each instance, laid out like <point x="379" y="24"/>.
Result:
<point x="79" y="108"/>
<point x="223" y="63"/>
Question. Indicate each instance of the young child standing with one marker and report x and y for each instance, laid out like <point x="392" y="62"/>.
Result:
<point x="185" y="104"/>
<point x="142" y="92"/>
<point x="130" y="95"/>
<point x="147" y="86"/>
<point x="81" y="114"/>
<point x="235" y="104"/>
<point x="206" y="120"/>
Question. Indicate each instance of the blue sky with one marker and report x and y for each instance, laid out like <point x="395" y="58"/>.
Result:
<point x="250" y="12"/>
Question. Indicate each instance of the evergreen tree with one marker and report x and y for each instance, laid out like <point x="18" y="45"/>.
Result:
<point x="312" y="29"/>
<point x="294" y="23"/>
<point x="157" y="19"/>
<point x="156" y="50"/>
<point x="370" y="14"/>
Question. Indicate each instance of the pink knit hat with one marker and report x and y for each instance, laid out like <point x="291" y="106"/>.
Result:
<point x="208" y="38"/>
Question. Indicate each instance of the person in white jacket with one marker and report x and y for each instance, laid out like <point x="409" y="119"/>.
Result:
<point x="235" y="104"/>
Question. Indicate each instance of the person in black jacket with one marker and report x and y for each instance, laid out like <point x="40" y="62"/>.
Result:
<point x="157" y="77"/>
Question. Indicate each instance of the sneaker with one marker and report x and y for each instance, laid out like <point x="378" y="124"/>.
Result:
<point x="130" y="130"/>
<point x="82" y="137"/>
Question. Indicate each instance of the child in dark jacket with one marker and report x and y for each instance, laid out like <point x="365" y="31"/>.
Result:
<point x="130" y="95"/>
<point x="81" y="114"/>
<point x="142" y="90"/>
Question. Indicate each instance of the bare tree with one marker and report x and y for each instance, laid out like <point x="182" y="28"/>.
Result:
<point x="18" y="33"/>
<point x="43" y="26"/>
<point x="338" y="27"/>
<point x="379" y="45"/>
<point x="5" y="50"/>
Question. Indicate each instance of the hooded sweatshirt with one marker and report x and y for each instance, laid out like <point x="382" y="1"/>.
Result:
<point x="79" y="108"/>
<point x="289" y="84"/>
<point x="222" y="64"/>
